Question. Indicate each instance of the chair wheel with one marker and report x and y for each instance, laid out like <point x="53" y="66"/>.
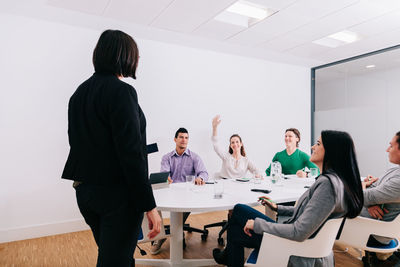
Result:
<point x="204" y="237"/>
<point x="221" y="241"/>
<point x="365" y="261"/>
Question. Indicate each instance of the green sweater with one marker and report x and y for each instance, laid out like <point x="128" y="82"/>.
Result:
<point x="291" y="164"/>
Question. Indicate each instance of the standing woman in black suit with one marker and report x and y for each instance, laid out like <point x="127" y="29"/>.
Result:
<point x="108" y="157"/>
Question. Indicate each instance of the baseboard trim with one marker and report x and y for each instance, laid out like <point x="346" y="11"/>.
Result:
<point x="35" y="231"/>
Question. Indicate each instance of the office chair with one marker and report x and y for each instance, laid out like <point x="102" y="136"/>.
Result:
<point x="356" y="233"/>
<point x="189" y="229"/>
<point x="276" y="251"/>
<point x="224" y="225"/>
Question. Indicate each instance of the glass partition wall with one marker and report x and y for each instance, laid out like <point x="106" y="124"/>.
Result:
<point x="361" y="96"/>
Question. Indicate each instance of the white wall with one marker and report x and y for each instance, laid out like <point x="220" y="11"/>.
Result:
<point x="366" y="106"/>
<point x="41" y="65"/>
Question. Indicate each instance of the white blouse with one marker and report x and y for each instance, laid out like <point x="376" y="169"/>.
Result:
<point x="231" y="167"/>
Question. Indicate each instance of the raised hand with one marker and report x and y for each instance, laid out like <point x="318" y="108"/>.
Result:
<point x="216" y="121"/>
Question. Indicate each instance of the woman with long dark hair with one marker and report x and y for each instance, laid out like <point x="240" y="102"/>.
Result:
<point x="336" y="193"/>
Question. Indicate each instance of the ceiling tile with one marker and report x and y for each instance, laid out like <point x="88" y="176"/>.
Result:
<point x="282" y="44"/>
<point x="270" y="28"/>
<point x="316" y="8"/>
<point x="378" y="25"/>
<point x="338" y="21"/>
<point x="217" y="30"/>
<point x="90" y="6"/>
<point x="308" y="50"/>
<point x="188" y="15"/>
<point x="367" y="45"/>
<point x="136" y="11"/>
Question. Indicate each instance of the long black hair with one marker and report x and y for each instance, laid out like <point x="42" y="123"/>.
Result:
<point x="340" y="157"/>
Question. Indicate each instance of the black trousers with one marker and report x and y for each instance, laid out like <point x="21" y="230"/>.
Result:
<point x="237" y="240"/>
<point x="114" y="221"/>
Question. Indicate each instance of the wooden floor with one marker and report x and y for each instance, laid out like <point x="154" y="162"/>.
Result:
<point x="79" y="249"/>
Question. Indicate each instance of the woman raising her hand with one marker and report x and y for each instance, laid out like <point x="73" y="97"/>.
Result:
<point x="235" y="164"/>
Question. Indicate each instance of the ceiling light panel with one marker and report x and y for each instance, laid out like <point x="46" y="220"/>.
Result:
<point x="338" y="39"/>
<point x="248" y="9"/>
<point x="244" y="13"/>
<point x="345" y="36"/>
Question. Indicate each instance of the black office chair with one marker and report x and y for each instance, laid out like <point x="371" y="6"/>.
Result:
<point x="224" y="225"/>
<point x="189" y="229"/>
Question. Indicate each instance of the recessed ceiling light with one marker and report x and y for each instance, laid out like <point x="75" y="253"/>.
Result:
<point x="370" y="66"/>
<point x="248" y="9"/>
<point x="338" y="39"/>
<point x="345" y="36"/>
<point x="244" y="13"/>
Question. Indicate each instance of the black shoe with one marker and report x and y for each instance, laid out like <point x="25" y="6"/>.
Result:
<point x="220" y="256"/>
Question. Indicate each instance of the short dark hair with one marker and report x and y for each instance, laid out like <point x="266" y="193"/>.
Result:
<point x="398" y="138"/>
<point x="296" y="133"/>
<point x="116" y="53"/>
<point x="340" y="158"/>
<point x="180" y="130"/>
<point x="242" y="151"/>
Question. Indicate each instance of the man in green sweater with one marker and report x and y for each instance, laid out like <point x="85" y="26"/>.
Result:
<point x="293" y="160"/>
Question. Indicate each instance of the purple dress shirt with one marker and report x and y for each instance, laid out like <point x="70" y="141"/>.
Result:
<point x="189" y="163"/>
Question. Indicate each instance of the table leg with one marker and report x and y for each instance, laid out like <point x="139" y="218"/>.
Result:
<point x="176" y="241"/>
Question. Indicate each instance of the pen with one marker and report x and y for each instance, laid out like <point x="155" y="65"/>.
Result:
<point x="267" y="199"/>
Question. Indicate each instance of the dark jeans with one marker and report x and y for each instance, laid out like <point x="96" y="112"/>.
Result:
<point x="237" y="240"/>
<point x="114" y="221"/>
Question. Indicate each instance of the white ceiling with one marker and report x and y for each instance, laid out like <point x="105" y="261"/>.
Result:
<point x="285" y="36"/>
<point x="383" y="62"/>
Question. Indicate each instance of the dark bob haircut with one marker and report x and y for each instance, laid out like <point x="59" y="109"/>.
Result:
<point x="180" y="130"/>
<point x="116" y="53"/>
<point x="340" y="158"/>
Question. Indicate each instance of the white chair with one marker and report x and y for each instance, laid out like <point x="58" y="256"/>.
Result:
<point x="357" y="231"/>
<point x="275" y="251"/>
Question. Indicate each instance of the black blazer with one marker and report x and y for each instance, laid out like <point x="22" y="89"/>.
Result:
<point x="107" y="136"/>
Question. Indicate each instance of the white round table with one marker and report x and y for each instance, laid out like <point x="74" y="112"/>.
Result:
<point x="180" y="197"/>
